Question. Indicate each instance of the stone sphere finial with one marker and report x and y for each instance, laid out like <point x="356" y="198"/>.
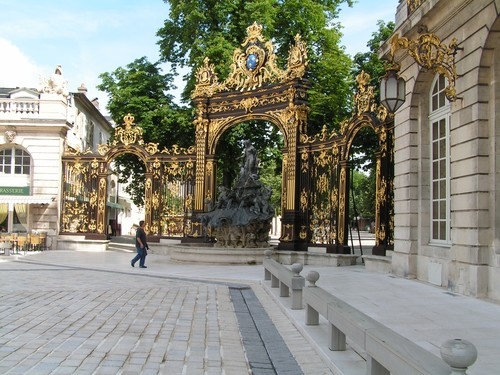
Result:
<point x="312" y="277"/>
<point x="268" y="253"/>
<point x="297" y="268"/>
<point x="458" y="354"/>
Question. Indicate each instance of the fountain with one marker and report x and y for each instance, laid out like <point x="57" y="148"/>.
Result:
<point x="239" y="221"/>
<point x="241" y="216"/>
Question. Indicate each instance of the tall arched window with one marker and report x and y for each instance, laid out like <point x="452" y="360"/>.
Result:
<point x="439" y="120"/>
<point x="15" y="171"/>
<point x="14" y="161"/>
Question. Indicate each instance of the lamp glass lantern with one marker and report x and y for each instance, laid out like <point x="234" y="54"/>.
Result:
<point x="392" y="90"/>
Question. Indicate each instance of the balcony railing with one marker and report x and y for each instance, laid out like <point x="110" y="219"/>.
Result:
<point x="19" y="108"/>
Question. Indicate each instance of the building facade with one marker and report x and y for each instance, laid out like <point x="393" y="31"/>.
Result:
<point x="37" y="125"/>
<point x="447" y="135"/>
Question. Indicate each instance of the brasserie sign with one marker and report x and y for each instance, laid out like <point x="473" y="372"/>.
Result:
<point x="14" y="190"/>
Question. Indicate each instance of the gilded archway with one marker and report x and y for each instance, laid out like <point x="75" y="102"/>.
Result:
<point x="85" y="176"/>
<point x="256" y="89"/>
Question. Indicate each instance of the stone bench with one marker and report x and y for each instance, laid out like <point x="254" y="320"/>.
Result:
<point x="286" y="279"/>
<point x="387" y="352"/>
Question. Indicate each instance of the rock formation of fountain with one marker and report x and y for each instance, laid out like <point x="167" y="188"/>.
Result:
<point x="241" y="216"/>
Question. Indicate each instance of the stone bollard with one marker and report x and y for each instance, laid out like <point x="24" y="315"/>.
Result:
<point x="297" y="285"/>
<point x="312" y="277"/>
<point x="267" y="255"/>
<point x="459" y="355"/>
<point x="297" y="268"/>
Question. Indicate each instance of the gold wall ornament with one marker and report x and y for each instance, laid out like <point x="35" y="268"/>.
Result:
<point x="94" y="168"/>
<point x="151" y="148"/>
<point x="303" y="200"/>
<point x="381" y="193"/>
<point x="322" y="136"/>
<point x="248" y="103"/>
<point x="92" y="226"/>
<point x="102" y="149"/>
<point x="304" y="158"/>
<point x="207" y="82"/>
<point x="155" y="200"/>
<point x="431" y="54"/>
<point x="303" y="232"/>
<point x="128" y="133"/>
<point x="334" y="198"/>
<point x="253" y="66"/>
<point x="68" y="150"/>
<point x="344" y="125"/>
<point x="382" y="113"/>
<point x="322" y="183"/>
<point x="380" y="233"/>
<point x="297" y="59"/>
<point x="101" y="204"/>
<point x="364" y="97"/>
<point x="323" y="158"/>
<point x="156" y="168"/>
<point x="178" y="150"/>
<point x="93" y="199"/>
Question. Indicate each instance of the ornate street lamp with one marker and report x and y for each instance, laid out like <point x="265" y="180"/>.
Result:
<point x="392" y="88"/>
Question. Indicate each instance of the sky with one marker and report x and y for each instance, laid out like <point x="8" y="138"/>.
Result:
<point x="90" y="37"/>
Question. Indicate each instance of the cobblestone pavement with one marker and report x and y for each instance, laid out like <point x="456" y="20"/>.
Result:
<point x="66" y="312"/>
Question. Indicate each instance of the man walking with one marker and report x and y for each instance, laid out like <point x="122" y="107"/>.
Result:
<point x="141" y="245"/>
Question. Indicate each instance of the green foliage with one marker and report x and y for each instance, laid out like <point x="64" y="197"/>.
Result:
<point x="270" y="178"/>
<point x="362" y="195"/>
<point x="369" y="61"/>
<point x="266" y="139"/>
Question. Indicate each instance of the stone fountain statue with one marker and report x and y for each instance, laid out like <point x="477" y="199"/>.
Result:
<point x="241" y="216"/>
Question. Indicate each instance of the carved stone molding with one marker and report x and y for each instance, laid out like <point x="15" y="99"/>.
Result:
<point x="10" y="134"/>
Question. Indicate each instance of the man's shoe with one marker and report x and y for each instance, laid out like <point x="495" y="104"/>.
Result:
<point x="132" y="264"/>
<point x="143" y="267"/>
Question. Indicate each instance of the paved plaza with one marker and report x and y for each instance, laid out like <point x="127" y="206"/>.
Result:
<point x="73" y="312"/>
<point x="70" y="312"/>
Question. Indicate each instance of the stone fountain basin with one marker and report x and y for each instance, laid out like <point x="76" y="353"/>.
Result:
<point x="208" y="254"/>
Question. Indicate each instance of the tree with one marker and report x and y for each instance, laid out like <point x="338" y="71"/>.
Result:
<point x="142" y="90"/>
<point x="369" y="61"/>
<point x="362" y="195"/>
<point x="213" y="29"/>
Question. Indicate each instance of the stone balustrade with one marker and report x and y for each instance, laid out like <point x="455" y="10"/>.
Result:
<point x="16" y="108"/>
<point x="284" y="278"/>
<point x="387" y="352"/>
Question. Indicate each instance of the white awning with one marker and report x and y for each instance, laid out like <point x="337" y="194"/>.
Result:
<point x="29" y="199"/>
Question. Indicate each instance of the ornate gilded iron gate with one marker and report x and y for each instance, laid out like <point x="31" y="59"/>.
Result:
<point x="169" y="185"/>
<point x="181" y="182"/>
<point x="325" y="176"/>
<point x="256" y="89"/>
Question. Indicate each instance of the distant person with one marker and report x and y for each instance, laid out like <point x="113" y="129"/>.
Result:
<point x="141" y="245"/>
